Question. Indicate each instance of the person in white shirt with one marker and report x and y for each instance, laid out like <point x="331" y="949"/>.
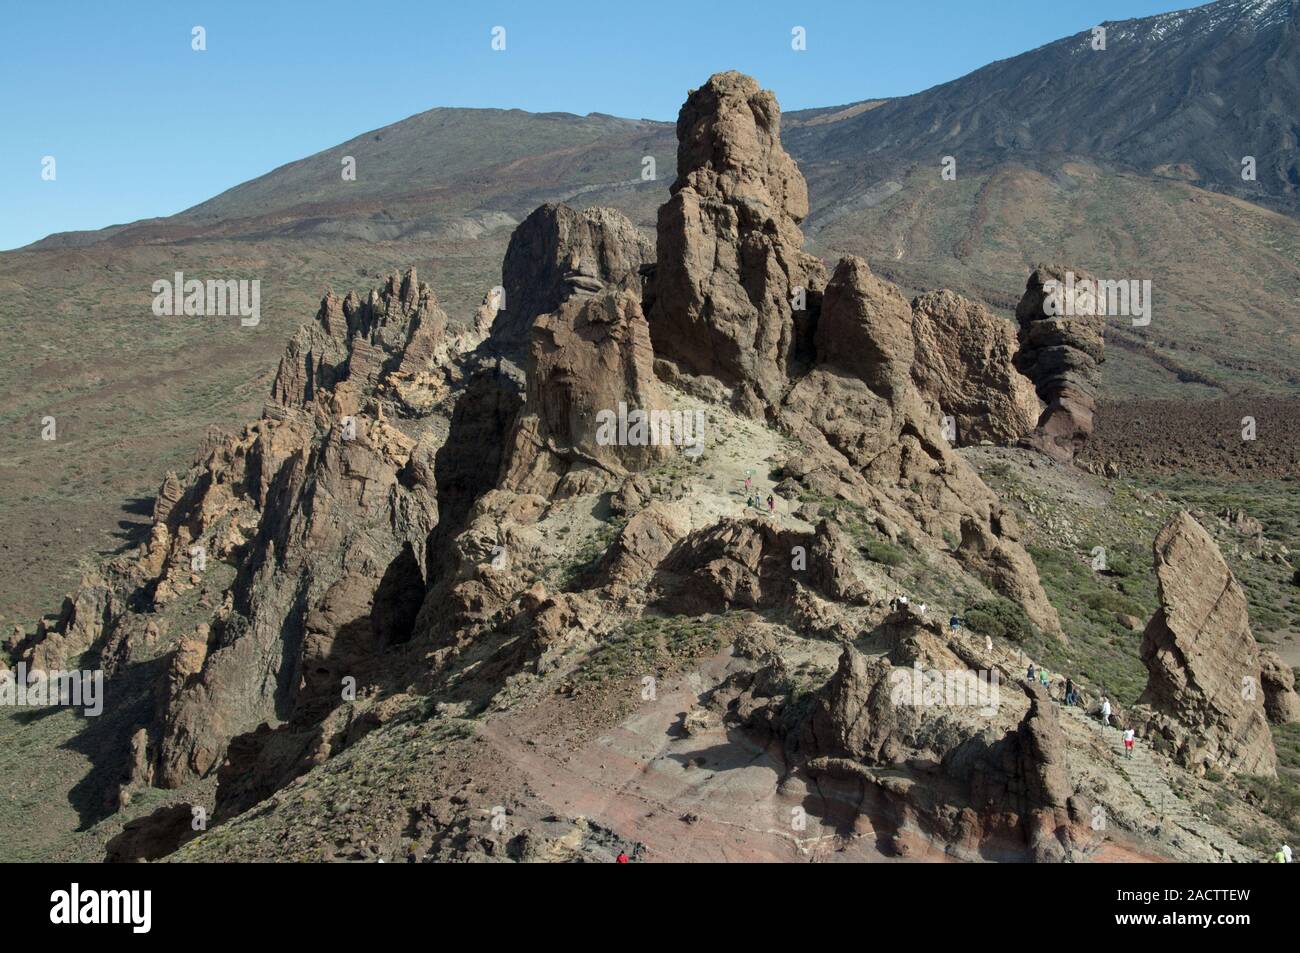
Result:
<point x="1129" y="735"/>
<point x="1105" y="711"/>
<point x="1286" y="853"/>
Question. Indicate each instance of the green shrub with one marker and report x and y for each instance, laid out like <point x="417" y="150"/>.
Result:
<point x="1000" y="618"/>
<point x="879" y="551"/>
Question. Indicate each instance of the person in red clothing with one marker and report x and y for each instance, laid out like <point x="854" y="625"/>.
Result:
<point x="622" y="857"/>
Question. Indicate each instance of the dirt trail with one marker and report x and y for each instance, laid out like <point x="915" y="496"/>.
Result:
<point x="1139" y="792"/>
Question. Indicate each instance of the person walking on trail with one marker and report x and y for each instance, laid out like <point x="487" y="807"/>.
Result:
<point x="1105" y="711"/>
<point x="988" y="643"/>
<point x="1069" y="690"/>
<point x="1286" y="853"/>
<point x="954" y="623"/>
<point x="1129" y="735"/>
<point x="1279" y="857"/>
<point x="622" y="857"/>
<point x="1030" y="675"/>
<point x="771" y="503"/>
<point x="1043" y="678"/>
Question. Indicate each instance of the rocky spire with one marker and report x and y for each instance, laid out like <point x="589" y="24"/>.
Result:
<point x="729" y="258"/>
<point x="1061" y="351"/>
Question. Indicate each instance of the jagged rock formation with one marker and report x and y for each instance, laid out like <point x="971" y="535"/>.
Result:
<point x="729" y="252"/>
<point x="1203" y="701"/>
<point x="398" y="332"/>
<point x="322" y="507"/>
<point x="1062" y="354"/>
<point x="965" y="363"/>
<point x="81" y="623"/>
<point x="426" y="526"/>
<point x="1026" y="777"/>
<point x="854" y="715"/>
<point x="873" y="438"/>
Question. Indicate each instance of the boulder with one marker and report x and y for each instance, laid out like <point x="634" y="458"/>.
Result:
<point x="1203" y="666"/>
<point x="152" y="837"/>
<point x="1278" y="682"/>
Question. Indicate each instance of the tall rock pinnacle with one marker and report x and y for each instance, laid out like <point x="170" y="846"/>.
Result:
<point x="734" y="296"/>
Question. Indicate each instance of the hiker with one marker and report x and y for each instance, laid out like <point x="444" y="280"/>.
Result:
<point x="622" y="857"/>
<point x="771" y="503"/>
<point x="1069" y="691"/>
<point x="1279" y="857"/>
<point x="954" y="623"/>
<point x="988" y="643"/>
<point x="1043" y="678"/>
<point x="1286" y="853"/>
<point x="921" y="607"/>
<point x="749" y="501"/>
<point x="1129" y="735"/>
<point x="746" y="484"/>
<point x="1105" y="711"/>
<point x="1031" y="676"/>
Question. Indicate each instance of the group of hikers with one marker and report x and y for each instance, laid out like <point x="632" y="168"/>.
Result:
<point x="754" y="500"/>
<point x="901" y="601"/>
<point x="1070" y="696"/>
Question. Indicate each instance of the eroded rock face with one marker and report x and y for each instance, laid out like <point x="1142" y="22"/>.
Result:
<point x="558" y="252"/>
<point x="854" y="716"/>
<point x="729" y="247"/>
<point x="1202" y="697"/>
<point x="304" y="536"/>
<point x="1062" y="354"/>
<point x="965" y="363"/>
<point x="1026" y="776"/>
<point x="590" y="362"/>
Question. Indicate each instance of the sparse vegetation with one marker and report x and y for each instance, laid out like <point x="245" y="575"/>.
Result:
<point x="999" y="618"/>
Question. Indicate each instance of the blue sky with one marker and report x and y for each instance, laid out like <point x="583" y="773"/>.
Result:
<point x="141" y="125"/>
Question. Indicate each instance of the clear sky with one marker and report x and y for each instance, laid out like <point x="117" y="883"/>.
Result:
<point x="141" y="125"/>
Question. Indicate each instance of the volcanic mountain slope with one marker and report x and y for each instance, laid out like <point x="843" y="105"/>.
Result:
<point x="1209" y="85"/>
<point x="426" y="608"/>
